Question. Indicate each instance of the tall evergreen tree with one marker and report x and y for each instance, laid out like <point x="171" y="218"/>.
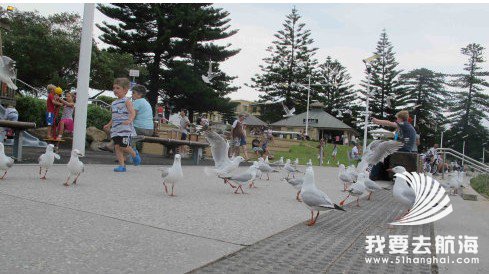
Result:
<point x="337" y="94"/>
<point x="174" y="41"/>
<point x="425" y="91"/>
<point x="384" y="81"/>
<point x="291" y="61"/>
<point x="470" y="105"/>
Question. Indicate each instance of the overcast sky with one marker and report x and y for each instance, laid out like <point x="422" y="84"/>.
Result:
<point x="423" y="35"/>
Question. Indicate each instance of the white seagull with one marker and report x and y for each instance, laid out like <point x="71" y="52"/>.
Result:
<point x="345" y="177"/>
<point x="264" y="168"/>
<point x="315" y="199"/>
<point x="288" y="112"/>
<point x="453" y="183"/>
<point x="370" y="185"/>
<point x="401" y="191"/>
<point x="219" y="148"/>
<point x="210" y="75"/>
<point x="246" y="177"/>
<point x="5" y="161"/>
<point x="376" y="152"/>
<point x="46" y="160"/>
<point x="173" y="175"/>
<point x="290" y="169"/>
<point x="75" y="166"/>
<point x="280" y="162"/>
<point x="356" y="189"/>
<point x="7" y="71"/>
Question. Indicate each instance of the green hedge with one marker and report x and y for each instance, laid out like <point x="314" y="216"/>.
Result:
<point x="481" y="184"/>
<point x="32" y="109"/>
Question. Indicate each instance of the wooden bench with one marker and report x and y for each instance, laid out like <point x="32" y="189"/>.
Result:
<point x="172" y="144"/>
<point x="18" y="128"/>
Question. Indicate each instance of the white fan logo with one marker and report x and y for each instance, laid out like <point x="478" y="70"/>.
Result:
<point x="430" y="202"/>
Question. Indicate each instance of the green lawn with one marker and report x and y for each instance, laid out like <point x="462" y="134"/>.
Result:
<point x="308" y="150"/>
<point x="481" y="184"/>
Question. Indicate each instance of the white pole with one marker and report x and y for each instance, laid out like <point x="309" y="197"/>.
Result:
<point x="441" y="141"/>
<point x="483" y="151"/>
<point x="80" y="128"/>
<point x="414" y="120"/>
<point x="366" y="114"/>
<point x="307" y="111"/>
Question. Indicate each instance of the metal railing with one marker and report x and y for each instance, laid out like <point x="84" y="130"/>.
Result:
<point x="100" y="103"/>
<point x="477" y="165"/>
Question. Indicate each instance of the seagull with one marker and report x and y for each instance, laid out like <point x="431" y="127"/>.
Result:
<point x="370" y="185"/>
<point x="219" y="149"/>
<point x="280" y="162"/>
<point x="288" y="112"/>
<point x="46" y="160"/>
<point x="7" y="71"/>
<point x="296" y="162"/>
<point x="290" y="169"/>
<point x="75" y="166"/>
<point x="315" y="199"/>
<point x="401" y="191"/>
<point x="309" y="163"/>
<point x="356" y="189"/>
<point x="297" y="184"/>
<point x="376" y="152"/>
<point x="453" y="183"/>
<point x="5" y="161"/>
<point x="173" y="175"/>
<point x="210" y="75"/>
<point x="345" y="177"/>
<point x="246" y="177"/>
<point x="263" y="167"/>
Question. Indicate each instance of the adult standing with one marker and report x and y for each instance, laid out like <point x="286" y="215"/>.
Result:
<point x="238" y="134"/>
<point x="143" y="123"/>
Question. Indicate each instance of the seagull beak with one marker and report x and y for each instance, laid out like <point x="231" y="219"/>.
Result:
<point x="389" y="170"/>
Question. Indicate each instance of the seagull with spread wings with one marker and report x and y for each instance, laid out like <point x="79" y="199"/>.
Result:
<point x="210" y="75"/>
<point x="376" y="152"/>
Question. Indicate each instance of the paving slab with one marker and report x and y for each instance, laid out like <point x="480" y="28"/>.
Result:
<point x="336" y="244"/>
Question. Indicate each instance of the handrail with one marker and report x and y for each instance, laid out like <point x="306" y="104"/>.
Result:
<point x="29" y="86"/>
<point x="464" y="157"/>
<point x="478" y="168"/>
<point x="104" y="104"/>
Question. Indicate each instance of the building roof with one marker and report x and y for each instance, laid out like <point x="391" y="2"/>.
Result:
<point x="318" y="118"/>
<point x="253" y="121"/>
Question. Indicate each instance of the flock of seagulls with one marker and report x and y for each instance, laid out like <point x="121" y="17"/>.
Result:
<point x="46" y="161"/>
<point x="355" y="180"/>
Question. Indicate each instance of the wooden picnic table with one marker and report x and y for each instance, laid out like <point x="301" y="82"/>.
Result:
<point x="174" y="143"/>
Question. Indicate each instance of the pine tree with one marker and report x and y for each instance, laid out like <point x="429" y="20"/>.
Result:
<point x="384" y="81"/>
<point x="290" y="63"/>
<point x="337" y="94"/>
<point x="169" y="39"/>
<point x="469" y="105"/>
<point x="425" y="91"/>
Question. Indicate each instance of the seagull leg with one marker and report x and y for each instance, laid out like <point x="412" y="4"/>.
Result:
<point x="4" y="175"/>
<point x="44" y="177"/>
<point x="76" y="178"/>
<point x="370" y="194"/>
<point x="344" y="187"/>
<point x="358" y="205"/>
<point x="297" y="196"/>
<point x="40" y="170"/>
<point x="311" y="222"/>
<point x="166" y="189"/>
<point x="67" y="181"/>
<point x="173" y="195"/>
<point x="315" y="219"/>
<point x="343" y="202"/>
<point x="268" y="176"/>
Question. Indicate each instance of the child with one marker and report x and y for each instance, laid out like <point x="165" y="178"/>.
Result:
<point x="52" y="107"/>
<point x="66" y="122"/>
<point x="121" y="128"/>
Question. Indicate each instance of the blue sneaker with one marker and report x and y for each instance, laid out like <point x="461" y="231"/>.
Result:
<point x="136" y="160"/>
<point x="120" y="169"/>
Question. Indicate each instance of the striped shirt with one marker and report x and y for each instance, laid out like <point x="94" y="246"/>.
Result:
<point x="120" y="114"/>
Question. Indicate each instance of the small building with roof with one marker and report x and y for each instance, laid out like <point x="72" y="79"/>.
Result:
<point x="321" y="125"/>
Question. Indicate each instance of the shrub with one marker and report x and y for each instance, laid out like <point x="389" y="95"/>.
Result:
<point x="481" y="184"/>
<point x="32" y="109"/>
<point x="97" y="116"/>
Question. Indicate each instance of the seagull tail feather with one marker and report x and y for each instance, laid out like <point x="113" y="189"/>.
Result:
<point x="337" y="207"/>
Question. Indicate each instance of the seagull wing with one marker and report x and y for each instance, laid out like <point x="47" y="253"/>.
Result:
<point x="56" y="156"/>
<point x="383" y="150"/>
<point x="219" y="149"/>
<point x="316" y="199"/>
<point x="243" y="177"/>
